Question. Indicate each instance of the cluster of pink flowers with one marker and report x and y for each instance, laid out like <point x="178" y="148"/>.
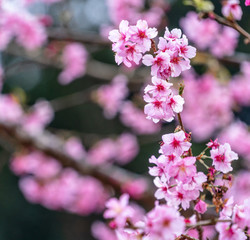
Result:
<point x="122" y="150"/>
<point x="161" y="101"/>
<point x="130" y="42"/>
<point x="240" y="221"/>
<point x="74" y="59"/>
<point x="33" y="122"/>
<point x="221" y="41"/>
<point x="133" y="10"/>
<point x="238" y="136"/>
<point x="133" y="117"/>
<point x="240" y="86"/>
<point x="173" y="56"/>
<point x="177" y="179"/>
<point x="17" y="22"/>
<point x="208" y="105"/>
<point x="162" y="222"/>
<point x="111" y="96"/>
<point x="57" y="188"/>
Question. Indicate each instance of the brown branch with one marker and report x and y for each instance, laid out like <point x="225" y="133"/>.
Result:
<point x="53" y="146"/>
<point x="227" y="22"/>
<point x="95" y="69"/>
<point x="208" y="222"/>
<point x="64" y="34"/>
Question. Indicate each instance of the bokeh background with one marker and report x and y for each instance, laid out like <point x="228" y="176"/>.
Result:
<point x="30" y="81"/>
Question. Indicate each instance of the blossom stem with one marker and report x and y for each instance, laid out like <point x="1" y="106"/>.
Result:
<point x="228" y="23"/>
<point x="208" y="222"/>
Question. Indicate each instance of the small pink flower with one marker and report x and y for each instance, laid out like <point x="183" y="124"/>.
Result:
<point x="164" y="222"/>
<point x="142" y="35"/>
<point x="74" y="59"/>
<point x="119" y="210"/>
<point x="232" y="9"/>
<point x="247" y="2"/>
<point x="175" y="143"/>
<point x="201" y="207"/>
<point x="159" y="87"/>
<point x="121" y="36"/>
<point x="222" y="158"/>
<point x="228" y="232"/>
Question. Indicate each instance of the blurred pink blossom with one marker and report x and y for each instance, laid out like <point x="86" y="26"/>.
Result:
<point x="74" y="60"/>
<point x="111" y="96"/>
<point x="231" y="8"/>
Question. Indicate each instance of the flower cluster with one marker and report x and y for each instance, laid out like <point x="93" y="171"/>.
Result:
<point x="130" y="42"/>
<point x="172" y="57"/>
<point x="209" y="34"/>
<point x="74" y="59"/>
<point x="161" y="101"/>
<point x="177" y="179"/>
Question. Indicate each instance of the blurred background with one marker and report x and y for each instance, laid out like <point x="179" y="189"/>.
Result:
<point x="34" y="74"/>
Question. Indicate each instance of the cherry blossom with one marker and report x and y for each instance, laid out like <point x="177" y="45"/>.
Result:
<point x="175" y="143"/>
<point x="231" y="8"/>
<point x="222" y="158"/>
<point x="74" y="59"/>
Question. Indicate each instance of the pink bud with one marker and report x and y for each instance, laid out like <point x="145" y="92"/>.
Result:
<point x="201" y="207"/>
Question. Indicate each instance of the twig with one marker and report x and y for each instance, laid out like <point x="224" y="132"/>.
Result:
<point x="228" y="23"/>
<point x="64" y="34"/>
<point x="208" y="222"/>
<point x="53" y="146"/>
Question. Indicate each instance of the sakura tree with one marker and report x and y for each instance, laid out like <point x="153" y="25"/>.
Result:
<point x="69" y="135"/>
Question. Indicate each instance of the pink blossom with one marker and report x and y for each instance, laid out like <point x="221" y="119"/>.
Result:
<point x="175" y="143"/>
<point x="160" y="87"/>
<point x="157" y="109"/>
<point x="201" y="207"/>
<point x="128" y="54"/>
<point x="164" y="222"/>
<point x="136" y="188"/>
<point x="17" y="22"/>
<point x="182" y="195"/>
<point x="159" y="63"/>
<point x="111" y="96"/>
<point x="39" y="116"/>
<point x="121" y="36"/>
<point x="247" y="2"/>
<point x="205" y="29"/>
<point x="74" y="60"/>
<point x="174" y="35"/>
<point x="183" y="169"/>
<point x="102" y="152"/>
<point x="142" y="35"/>
<point x="75" y="149"/>
<point x="208" y="106"/>
<point x="225" y="43"/>
<point x="185" y="50"/>
<point x="101" y="232"/>
<point x="119" y="210"/>
<point x="127" y="148"/>
<point x="227" y="232"/>
<point x="10" y="110"/>
<point x="222" y="158"/>
<point x="238" y="136"/>
<point x="160" y="168"/>
<point x="231" y="8"/>
<point x="134" y="118"/>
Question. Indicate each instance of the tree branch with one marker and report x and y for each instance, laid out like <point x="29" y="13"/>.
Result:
<point x="53" y="146"/>
<point x="228" y="23"/>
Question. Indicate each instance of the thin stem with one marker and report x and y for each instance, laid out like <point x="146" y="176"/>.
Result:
<point x="228" y="23"/>
<point x="208" y="222"/>
<point x="180" y="122"/>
